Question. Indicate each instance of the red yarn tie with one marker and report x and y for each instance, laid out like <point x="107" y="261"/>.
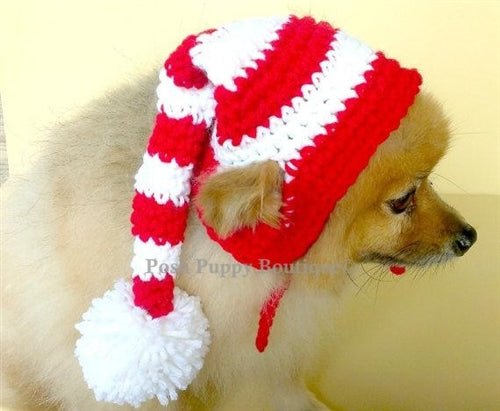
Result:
<point x="267" y="313"/>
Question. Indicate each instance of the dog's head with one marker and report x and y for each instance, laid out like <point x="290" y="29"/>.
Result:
<point x="390" y="215"/>
<point x="394" y="214"/>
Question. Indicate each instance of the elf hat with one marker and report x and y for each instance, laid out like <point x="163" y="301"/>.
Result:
<point x="291" y="90"/>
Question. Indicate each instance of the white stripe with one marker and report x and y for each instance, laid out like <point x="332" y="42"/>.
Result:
<point x="152" y="260"/>
<point x="226" y="52"/>
<point x="164" y="181"/>
<point x="318" y="106"/>
<point x="179" y="102"/>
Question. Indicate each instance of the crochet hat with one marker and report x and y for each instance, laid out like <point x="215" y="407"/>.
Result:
<point x="292" y="90"/>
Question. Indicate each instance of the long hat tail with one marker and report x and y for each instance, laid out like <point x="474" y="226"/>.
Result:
<point x="146" y="338"/>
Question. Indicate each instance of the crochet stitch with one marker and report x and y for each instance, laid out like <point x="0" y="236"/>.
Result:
<point x="291" y="90"/>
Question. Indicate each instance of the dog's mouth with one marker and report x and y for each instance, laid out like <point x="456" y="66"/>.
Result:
<point x="384" y="259"/>
<point x="409" y="257"/>
<point x="396" y="265"/>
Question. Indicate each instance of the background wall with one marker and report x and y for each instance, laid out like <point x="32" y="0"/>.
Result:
<point x="57" y="55"/>
<point x="403" y="344"/>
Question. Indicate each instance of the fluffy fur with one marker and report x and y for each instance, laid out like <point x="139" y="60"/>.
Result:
<point x="66" y="239"/>
<point x="242" y="197"/>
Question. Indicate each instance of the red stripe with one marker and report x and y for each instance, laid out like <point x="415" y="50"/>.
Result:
<point x="295" y="56"/>
<point x="155" y="296"/>
<point x="181" y="69"/>
<point x="161" y="222"/>
<point x="177" y="139"/>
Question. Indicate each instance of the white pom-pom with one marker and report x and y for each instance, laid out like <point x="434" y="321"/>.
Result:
<point x="127" y="357"/>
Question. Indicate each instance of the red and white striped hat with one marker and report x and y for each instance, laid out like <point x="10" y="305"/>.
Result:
<point x="292" y="90"/>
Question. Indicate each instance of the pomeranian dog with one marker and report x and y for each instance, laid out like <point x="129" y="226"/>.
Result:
<point x="66" y="240"/>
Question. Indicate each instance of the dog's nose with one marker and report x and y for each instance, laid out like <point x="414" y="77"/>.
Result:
<point x="464" y="240"/>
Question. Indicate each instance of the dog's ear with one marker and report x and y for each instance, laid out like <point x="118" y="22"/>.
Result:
<point x="241" y="197"/>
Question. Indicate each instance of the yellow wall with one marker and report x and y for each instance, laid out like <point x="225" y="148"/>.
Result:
<point x="56" y="55"/>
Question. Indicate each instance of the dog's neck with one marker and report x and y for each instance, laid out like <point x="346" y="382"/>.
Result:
<point x="250" y="292"/>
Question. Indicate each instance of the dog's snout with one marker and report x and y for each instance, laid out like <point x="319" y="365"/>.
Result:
<point x="464" y="240"/>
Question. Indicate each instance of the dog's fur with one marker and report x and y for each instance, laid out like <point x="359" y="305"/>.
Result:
<point x="66" y="240"/>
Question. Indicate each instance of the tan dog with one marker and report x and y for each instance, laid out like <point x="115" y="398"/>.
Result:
<point x="66" y="239"/>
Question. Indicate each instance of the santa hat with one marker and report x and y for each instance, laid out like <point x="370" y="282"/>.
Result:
<point x="292" y="90"/>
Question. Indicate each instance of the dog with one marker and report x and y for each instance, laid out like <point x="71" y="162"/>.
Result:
<point x="66" y="240"/>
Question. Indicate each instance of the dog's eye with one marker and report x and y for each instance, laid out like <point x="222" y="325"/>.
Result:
<point x="401" y="204"/>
